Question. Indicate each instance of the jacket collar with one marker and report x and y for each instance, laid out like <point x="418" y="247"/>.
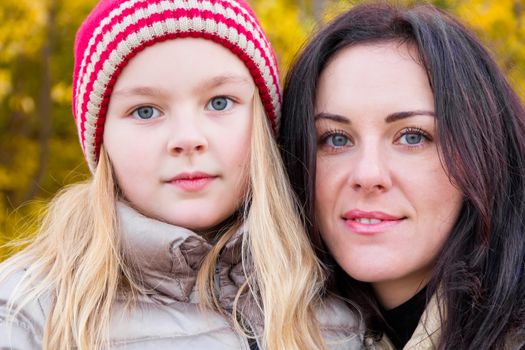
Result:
<point x="425" y="336"/>
<point x="427" y="332"/>
<point x="165" y="259"/>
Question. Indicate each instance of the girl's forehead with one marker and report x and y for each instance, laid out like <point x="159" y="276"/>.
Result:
<point x="188" y="62"/>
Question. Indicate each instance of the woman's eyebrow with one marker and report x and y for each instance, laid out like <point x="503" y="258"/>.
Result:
<point x="334" y="117"/>
<point x="393" y="117"/>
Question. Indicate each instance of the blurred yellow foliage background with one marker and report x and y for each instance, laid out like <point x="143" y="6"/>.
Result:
<point x="39" y="151"/>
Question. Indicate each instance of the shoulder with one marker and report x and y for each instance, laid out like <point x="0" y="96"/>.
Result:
<point x="341" y="327"/>
<point x="24" y="329"/>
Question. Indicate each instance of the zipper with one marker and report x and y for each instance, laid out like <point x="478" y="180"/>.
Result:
<point x="217" y="281"/>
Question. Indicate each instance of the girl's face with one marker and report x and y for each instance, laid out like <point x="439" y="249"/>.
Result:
<point x="178" y="132"/>
<point x="384" y="203"/>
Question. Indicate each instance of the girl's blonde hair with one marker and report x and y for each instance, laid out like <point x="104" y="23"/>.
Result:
<point x="76" y="257"/>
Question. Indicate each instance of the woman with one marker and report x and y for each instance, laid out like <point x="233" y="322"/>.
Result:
<point x="406" y="147"/>
<point x="186" y="235"/>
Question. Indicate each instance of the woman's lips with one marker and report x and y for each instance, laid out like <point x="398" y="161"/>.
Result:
<point x="370" y="222"/>
<point x="192" y="182"/>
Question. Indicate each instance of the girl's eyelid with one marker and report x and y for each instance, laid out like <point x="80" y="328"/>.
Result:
<point x="135" y="108"/>
<point x="232" y="101"/>
<point x="231" y="98"/>
<point x="234" y="95"/>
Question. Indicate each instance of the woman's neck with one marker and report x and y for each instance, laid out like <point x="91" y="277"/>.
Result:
<point x="393" y="293"/>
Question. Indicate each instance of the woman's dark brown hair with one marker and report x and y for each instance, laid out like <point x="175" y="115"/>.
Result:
<point x="480" y="272"/>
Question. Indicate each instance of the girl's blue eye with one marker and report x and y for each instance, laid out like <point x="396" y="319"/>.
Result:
<point x="337" y="140"/>
<point x="219" y="103"/>
<point x="145" y="112"/>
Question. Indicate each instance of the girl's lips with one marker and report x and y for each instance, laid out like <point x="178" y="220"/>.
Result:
<point x="370" y="222"/>
<point x="192" y="182"/>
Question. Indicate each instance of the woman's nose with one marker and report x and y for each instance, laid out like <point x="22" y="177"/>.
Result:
<point x="370" y="170"/>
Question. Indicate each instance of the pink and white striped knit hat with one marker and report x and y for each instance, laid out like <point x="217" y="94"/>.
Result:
<point x="116" y="30"/>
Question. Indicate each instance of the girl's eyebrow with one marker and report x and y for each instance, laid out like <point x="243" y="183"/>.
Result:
<point x="141" y="91"/>
<point x="225" y="79"/>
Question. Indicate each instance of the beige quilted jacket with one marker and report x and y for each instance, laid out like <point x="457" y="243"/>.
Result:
<point x="167" y="315"/>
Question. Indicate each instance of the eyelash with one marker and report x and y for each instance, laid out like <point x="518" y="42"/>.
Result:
<point x="326" y="135"/>
<point x="230" y="100"/>
<point x="416" y="131"/>
<point x="323" y="139"/>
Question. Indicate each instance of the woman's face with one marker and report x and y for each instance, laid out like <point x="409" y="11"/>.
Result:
<point x="385" y="205"/>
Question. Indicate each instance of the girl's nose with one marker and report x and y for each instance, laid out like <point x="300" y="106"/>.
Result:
<point x="370" y="171"/>
<point x="187" y="137"/>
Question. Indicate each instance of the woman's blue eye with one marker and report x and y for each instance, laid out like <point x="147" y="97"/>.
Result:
<point x="337" y="140"/>
<point x="219" y="103"/>
<point x="411" y="138"/>
<point x="145" y="112"/>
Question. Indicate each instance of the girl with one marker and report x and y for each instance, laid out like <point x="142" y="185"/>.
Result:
<point x="188" y="208"/>
<point x="417" y="143"/>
